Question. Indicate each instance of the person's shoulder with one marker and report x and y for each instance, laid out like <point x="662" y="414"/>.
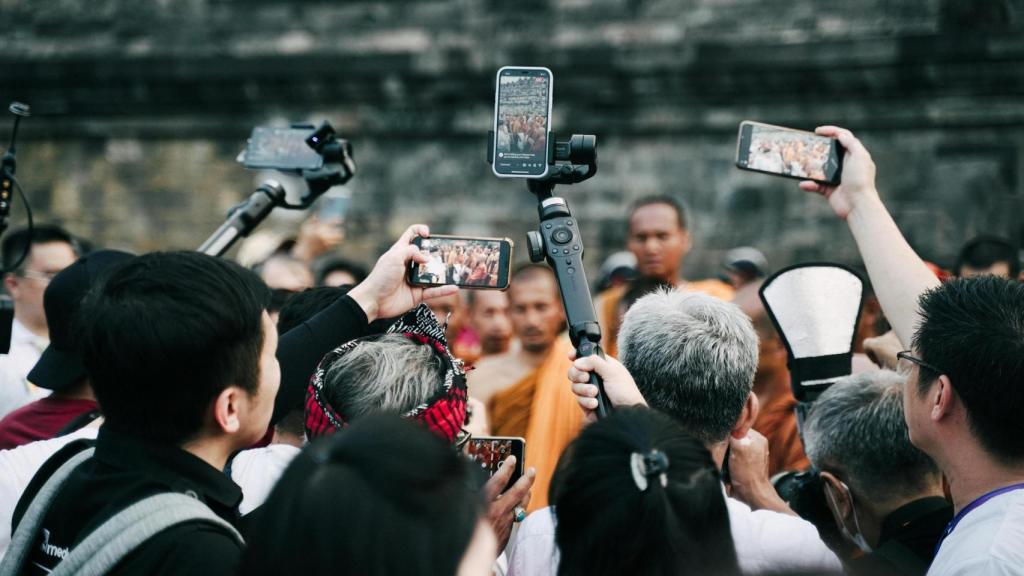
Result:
<point x="27" y="458"/>
<point x="1008" y="544"/>
<point x="540" y="522"/>
<point x="772" y="541"/>
<point x="198" y="548"/>
<point x="533" y="551"/>
<point x="989" y="540"/>
<point x="489" y="365"/>
<point x="712" y="287"/>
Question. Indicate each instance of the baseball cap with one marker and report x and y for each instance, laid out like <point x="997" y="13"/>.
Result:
<point x="60" y="365"/>
<point x="746" y="260"/>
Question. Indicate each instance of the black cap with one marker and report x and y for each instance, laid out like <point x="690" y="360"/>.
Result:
<point x="60" y="366"/>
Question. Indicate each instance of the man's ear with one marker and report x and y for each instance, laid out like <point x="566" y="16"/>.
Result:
<point x="747" y="417"/>
<point x="943" y="398"/>
<point x="838" y="497"/>
<point x="226" y="408"/>
<point x="11" y="283"/>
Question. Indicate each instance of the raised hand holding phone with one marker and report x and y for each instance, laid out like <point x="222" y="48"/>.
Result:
<point x="385" y="292"/>
<point x="858" y="172"/>
<point x="475" y="263"/>
<point x="789" y="153"/>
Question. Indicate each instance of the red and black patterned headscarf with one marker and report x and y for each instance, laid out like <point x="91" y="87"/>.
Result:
<point x="444" y="413"/>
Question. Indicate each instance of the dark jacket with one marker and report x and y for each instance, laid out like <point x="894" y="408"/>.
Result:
<point x="125" y="469"/>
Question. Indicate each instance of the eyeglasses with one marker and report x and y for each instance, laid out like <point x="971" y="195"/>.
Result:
<point x="905" y="355"/>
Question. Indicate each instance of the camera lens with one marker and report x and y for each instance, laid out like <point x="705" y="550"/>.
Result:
<point x="561" y="236"/>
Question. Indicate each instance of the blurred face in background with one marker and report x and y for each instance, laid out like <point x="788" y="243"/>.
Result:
<point x="449" y="309"/>
<point x="489" y="317"/>
<point x="658" y="241"/>
<point x="26" y="288"/>
<point x="536" y="311"/>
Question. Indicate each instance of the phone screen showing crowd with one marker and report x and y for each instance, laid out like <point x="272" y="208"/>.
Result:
<point x="470" y="262"/>
<point x="522" y="121"/>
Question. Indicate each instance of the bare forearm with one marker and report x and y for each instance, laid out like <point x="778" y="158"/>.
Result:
<point x="898" y="274"/>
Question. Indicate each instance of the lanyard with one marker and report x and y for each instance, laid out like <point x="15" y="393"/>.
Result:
<point x="976" y="503"/>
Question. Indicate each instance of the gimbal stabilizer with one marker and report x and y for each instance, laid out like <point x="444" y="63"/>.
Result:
<point x="558" y="240"/>
<point x="338" y="168"/>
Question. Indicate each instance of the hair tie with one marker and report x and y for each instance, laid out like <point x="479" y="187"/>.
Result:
<point x="646" y="466"/>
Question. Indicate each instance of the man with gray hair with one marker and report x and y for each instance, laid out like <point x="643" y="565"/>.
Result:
<point x="885" y="494"/>
<point x="693" y="357"/>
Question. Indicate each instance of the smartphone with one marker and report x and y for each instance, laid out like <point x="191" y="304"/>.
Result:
<point x="465" y="261"/>
<point x="281" y="149"/>
<point x="789" y="153"/>
<point x="522" y="122"/>
<point x="491" y="451"/>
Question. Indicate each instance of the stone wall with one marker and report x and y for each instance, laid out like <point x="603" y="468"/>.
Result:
<point x="141" y="107"/>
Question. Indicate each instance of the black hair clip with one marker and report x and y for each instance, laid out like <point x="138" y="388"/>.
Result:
<point x="646" y="466"/>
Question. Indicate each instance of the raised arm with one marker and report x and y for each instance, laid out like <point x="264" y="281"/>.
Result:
<point x="384" y="294"/>
<point x="898" y="274"/>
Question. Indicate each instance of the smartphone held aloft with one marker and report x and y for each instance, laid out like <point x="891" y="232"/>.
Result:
<point x="789" y="153"/>
<point x="464" y="261"/>
<point x="522" y="121"/>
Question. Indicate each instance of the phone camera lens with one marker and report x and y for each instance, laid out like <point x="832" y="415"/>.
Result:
<point x="561" y="236"/>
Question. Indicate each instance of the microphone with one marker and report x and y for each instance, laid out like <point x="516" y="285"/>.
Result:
<point x="9" y="164"/>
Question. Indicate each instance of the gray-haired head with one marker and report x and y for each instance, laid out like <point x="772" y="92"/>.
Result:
<point x="693" y="357"/>
<point x="856" y="429"/>
<point x="390" y="373"/>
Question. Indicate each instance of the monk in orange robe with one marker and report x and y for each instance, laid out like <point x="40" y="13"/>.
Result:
<point x="776" y="419"/>
<point x="660" y="240"/>
<point x="526" y="390"/>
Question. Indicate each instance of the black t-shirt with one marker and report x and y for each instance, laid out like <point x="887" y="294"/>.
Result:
<point x="125" y="470"/>
<point x="907" y="541"/>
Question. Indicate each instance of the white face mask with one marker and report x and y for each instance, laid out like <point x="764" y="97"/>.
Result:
<point x="857" y="538"/>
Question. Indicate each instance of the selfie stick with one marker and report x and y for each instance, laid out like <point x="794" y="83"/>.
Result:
<point x="559" y="241"/>
<point x="338" y="168"/>
<point x="244" y="218"/>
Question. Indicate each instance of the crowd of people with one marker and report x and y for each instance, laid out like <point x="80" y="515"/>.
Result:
<point x="787" y="152"/>
<point x="176" y="413"/>
<point x="523" y="115"/>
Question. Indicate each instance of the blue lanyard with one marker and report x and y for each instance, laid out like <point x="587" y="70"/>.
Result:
<point x="976" y="503"/>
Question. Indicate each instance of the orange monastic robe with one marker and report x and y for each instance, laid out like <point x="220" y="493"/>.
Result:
<point x="542" y="409"/>
<point x="777" y="422"/>
<point x="610" y="315"/>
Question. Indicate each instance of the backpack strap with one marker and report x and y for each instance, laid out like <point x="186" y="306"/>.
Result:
<point x="32" y="521"/>
<point x="105" y="547"/>
<point x="79" y="422"/>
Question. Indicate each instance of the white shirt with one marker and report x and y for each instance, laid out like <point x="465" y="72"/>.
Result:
<point x="258" y="470"/>
<point x="766" y="543"/>
<point x="18" y="466"/>
<point x="255" y="471"/>
<point x="26" y="348"/>
<point x="988" y="540"/>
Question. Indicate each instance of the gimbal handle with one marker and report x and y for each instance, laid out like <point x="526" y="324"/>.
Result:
<point x="558" y="241"/>
<point x="244" y="218"/>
